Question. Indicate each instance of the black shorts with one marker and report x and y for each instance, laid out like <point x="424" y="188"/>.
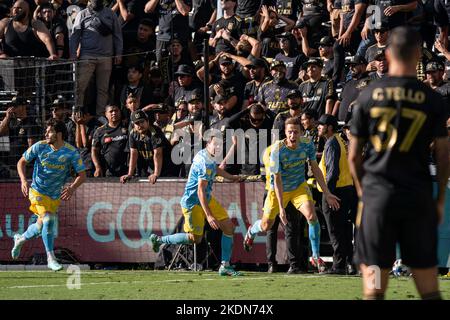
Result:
<point x="390" y="217"/>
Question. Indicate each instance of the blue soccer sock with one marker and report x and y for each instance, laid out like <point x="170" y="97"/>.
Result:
<point x="314" y="237"/>
<point x="48" y="236"/>
<point x="256" y="228"/>
<point x="33" y="231"/>
<point x="177" y="238"/>
<point x="227" y="247"/>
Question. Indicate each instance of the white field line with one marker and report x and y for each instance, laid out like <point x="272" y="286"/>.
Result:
<point x="158" y="281"/>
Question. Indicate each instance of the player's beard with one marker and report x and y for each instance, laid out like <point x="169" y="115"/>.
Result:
<point x="278" y="77"/>
<point x="20" y="16"/>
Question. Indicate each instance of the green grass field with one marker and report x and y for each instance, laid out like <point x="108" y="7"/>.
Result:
<point x="163" y="285"/>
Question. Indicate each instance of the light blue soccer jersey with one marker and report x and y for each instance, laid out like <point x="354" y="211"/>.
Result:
<point x="203" y="167"/>
<point x="291" y="163"/>
<point x="52" y="167"/>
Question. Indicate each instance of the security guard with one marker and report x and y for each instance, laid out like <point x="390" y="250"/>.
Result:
<point x="335" y="169"/>
<point x="318" y="92"/>
<point x="273" y="94"/>
<point x="435" y="73"/>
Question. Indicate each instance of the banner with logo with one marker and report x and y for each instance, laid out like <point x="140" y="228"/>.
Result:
<point x="110" y="222"/>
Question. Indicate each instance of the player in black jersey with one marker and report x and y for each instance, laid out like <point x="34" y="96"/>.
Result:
<point x="399" y="118"/>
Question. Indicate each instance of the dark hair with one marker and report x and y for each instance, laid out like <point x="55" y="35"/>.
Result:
<point x="58" y="125"/>
<point x="138" y="67"/>
<point x="293" y="120"/>
<point x="46" y="5"/>
<point x="110" y="106"/>
<point x="403" y="43"/>
<point x="310" y="114"/>
<point x="147" y="22"/>
<point x="257" y="108"/>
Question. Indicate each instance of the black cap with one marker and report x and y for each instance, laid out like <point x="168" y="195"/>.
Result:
<point x="355" y="60"/>
<point x="19" y="101"/>
<point x="219" y="98"/>
<point x="225" y="60"/>
<point x="294" y="93"/>
<point x="315" y="61"/>
<point x="175" y="39"/>
<point x="180" y="101"/>
<point x="195" y="95"/>
<point x="162" y="108"/>
<point x="326" y="41"/>
<point x="184" y="69"/>
<point x="379" y="55"/>
<point x="257" y="62"/>
<point x="434" y="66"/>
<point x="328" y="119"/>
<point x="285" y="35"/>
<point x="138" y="115"/>
<point x="59" y="101"/>
<point x="276" y="63"/>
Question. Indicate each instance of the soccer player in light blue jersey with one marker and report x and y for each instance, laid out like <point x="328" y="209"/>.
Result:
<point x="54" y="159"/>
<point x="288" y="184"/>
<point x="197" y="204"/>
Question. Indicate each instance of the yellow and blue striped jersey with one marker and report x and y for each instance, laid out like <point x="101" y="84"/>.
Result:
<point x="290" y="163"/>
<point x="52" y="167"/>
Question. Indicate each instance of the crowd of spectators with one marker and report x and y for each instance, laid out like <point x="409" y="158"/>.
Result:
<point x="141" y="74"/>
<point x="267" y="59"/>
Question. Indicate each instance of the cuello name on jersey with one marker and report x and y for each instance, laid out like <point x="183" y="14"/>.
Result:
<point x="398" y="94"/>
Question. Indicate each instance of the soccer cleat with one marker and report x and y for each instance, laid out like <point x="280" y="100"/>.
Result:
<point x="248" y="241"/>
<point x="155" y="242"/>
<point x="54" y="265"/>
<point x="319" y="264"/>
<point x="15" y="252"/>
<point x="228" y="271"/>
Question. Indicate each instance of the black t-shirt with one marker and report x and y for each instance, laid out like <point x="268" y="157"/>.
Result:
<point x="135" y="7"/>
<point x="263" y="138"/>
<point x="58" y="26"/>
<point x="288" y="8"/>
<point x="247" y="7"/>
<point x="279" y="122"/>
<point x="182" y="93"/>
<point x="85" y="153"/>
<point x="233" y="25"/>
<point x="172" y="24"/>
<point x="20" y="130"/>
<point x="293" y="64"/>
<point x="201" y="13"/>
<point x="399" y="117"/>
<point x="397" y="19"/>
<point x="146" y="144"/>
<point x="70" y="125"/>
<point x="348" y="10"/>
<point x="328" y="67"/>
<point x="372" y="52"/>
<point x="444" y="91"/>
<point x="349" y="95"/>
<point x="316" y="94"/>
<point x="112" y="143"/>
<point x="274" y="95"/>
<point x="251" y="90"/>
<point x="313" y="7"/>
